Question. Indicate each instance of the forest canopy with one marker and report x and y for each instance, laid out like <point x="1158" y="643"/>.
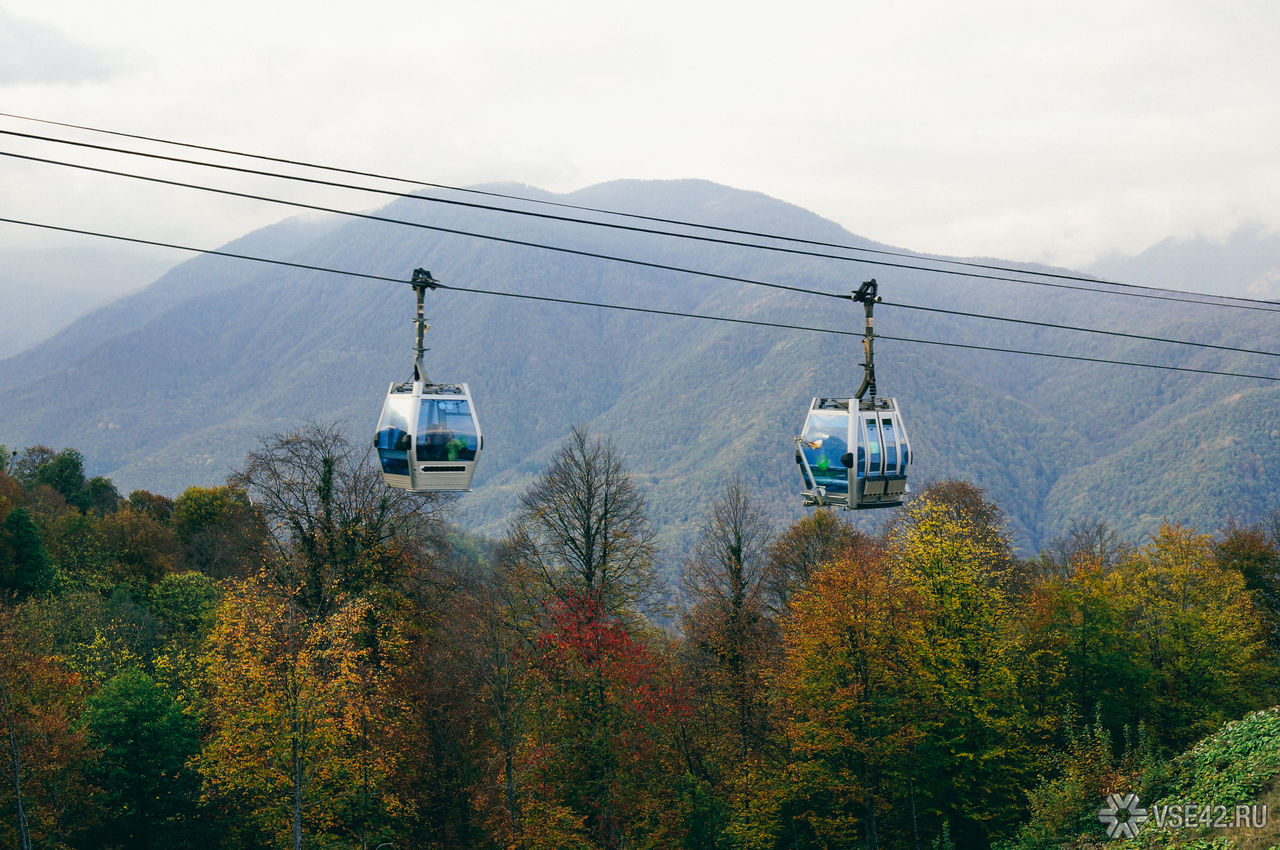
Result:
<point x="302" y="657"/>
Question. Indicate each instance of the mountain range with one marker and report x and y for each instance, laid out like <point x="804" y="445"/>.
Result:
<point x="171" y="386"/>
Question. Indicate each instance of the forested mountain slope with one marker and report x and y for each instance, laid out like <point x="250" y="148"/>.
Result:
<point x="172" y="386"/>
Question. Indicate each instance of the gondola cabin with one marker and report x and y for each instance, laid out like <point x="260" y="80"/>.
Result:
<point x="854" y="454"/>
<point x="428" y="437"/>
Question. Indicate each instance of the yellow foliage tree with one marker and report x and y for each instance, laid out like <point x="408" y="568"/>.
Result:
<point x="976" y="753"/>
<point x="1194" y="624"/>
<point x="293" y="709"/>
<point x="853" y="643"/>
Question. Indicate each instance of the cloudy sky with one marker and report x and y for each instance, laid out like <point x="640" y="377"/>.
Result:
<point x="1020" y="129"/>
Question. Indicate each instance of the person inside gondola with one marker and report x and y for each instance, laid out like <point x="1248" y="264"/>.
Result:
<point x="393" y="450"/>
<point x="435" y="443"/>
<point x="826" y="459"/>
<point x="392" y="440"/>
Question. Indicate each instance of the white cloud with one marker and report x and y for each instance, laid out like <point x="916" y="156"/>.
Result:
<point x="35" y="53"/>
<point x="1021" y="130"/>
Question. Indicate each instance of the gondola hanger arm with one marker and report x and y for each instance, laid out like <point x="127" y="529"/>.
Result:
<point x="422" y="281"/>
<point x="866" y="294"/>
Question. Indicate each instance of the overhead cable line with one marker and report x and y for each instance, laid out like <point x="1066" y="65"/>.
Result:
<point x="636" y="216"/>
<point x="611" y="258"/>
<point x="1274" y="307"/>
<point x="647" y="310"/>
<point x="643" y="263"/>
<point x="333" y="184"/>
<point x="527" y="213"/>
<point x="423" y="226"/>
<point x="1056" y="326"/>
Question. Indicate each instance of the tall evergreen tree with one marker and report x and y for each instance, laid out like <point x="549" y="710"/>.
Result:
<point x="149" y="795"/>
<point x="24" y="564"/>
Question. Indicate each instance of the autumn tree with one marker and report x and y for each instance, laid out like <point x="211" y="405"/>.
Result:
<point x="134" y="548"/>
<point x="1194" y="624"/>
<point x="335" y="525"/>
<point x="1254" y="552"/>
<point x="1090" y="543"/>
<point x="154" y="505"/>
<point x="291" y="709"/>
<point x="582" y="528"/>
<point x="812" y="542"/>
<point x="976" y="746"/>
<point x="446" y="774"/>
<point x="494" y="624"/>
<point x="11" y="492"/>
<point x="45" y="792"/>
<point x="596" y="760"/>
<point x="855" y="645"/>
<point x="219" y="532"/>
<point x="352" y="577"/>
<point x="1080" y="665"/>
<point x="580" y="557"/>
<point x="728" y="632"/>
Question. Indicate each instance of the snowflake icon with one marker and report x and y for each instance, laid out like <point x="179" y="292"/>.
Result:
<point x="1131" y="824"/>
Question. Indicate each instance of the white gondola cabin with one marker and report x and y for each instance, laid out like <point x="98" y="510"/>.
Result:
<point x="853" y="452"/>
<point x="428" y="437"/>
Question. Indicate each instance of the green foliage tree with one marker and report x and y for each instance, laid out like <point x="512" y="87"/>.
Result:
<point x="185" y="602"/>
<point x="100" y="495"/>
<point x="144" y="741"/>
<point x="183" y="605"/>
<point x="27" y="464"/>
<point x="1064" y="809"/>
<point x="218" y="530"/>
<point x="64" y="472"/>
<point x="24" y="564"/>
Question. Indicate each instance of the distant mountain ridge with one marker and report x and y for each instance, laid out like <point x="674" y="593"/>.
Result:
<point x="1245" y="263"/>
<point x="170" y="387"/>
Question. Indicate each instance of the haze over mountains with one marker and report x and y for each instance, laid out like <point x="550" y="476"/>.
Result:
<point x="55" y="286"/>
<point x="171" y="386"/>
